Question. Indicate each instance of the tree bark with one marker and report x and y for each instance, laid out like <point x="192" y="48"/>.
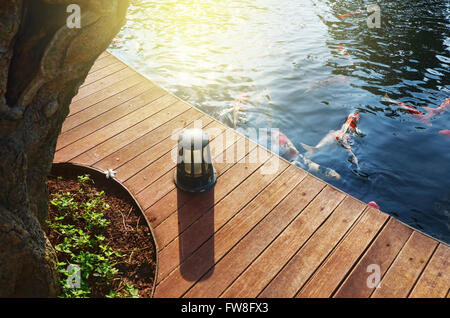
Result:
<point x="43" y="62"/>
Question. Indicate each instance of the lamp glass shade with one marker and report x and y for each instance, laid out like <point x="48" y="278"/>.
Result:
<point x="195" y="171"/>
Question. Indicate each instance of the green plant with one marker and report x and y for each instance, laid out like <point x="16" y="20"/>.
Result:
<point x="84" y="179"/>
<point x="78" y="227"/>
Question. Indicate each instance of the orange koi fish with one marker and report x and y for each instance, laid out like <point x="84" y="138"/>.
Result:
<point x="349" y="14"/>
<point x="410" y="109"/>
<point x="435" y="111"/>
<point x="445" y="132"/>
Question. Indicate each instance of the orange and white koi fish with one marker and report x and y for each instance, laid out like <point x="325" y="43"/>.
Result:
<point x="287" y="150"/>
<point x="410" y="109"/>
<point x="445" y="132"/>
<point x="349" y="14"/>
<point x="342" y="136"/>
<point x="351" y="124"/>
<point x="327" y="81"/>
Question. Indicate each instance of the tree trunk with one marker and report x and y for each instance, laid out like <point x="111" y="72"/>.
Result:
<point x="42" y="64"/>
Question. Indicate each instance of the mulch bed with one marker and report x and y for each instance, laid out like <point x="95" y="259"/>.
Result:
<point x="128" y="230"/>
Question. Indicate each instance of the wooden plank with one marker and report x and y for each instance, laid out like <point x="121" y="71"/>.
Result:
<point x="141" y="152"/>
<point x="109" y="117"/>
<point x="239" y="225"/>
<point x="173" y="200"/>
<point x="104" y="82"/>
<point x="104" y="54"/>
<point x="333" y="271"/>
<point x="382" y="252"/>
<point x="302" y="265"/>
<point x="292" y="239"/>
<point x="139" y="128"/>
<point x="105" y="105"/>
<point x="287" y="238"/>
<point x="435" y="279"/>
<point x="103" y="62"/>
<point x="189" y="235"/>
<point x="104" y="94"/>
<point x="164" y="185"/>
<point x="250" y="246"/>
<point x="99" y="136"/>
<point x="401" y="276"/>
<point x="111" y="69"/>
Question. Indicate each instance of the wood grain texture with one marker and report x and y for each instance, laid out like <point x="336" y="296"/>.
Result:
<point x="407" y="267"/>
<point x="435" y="279"/>
<point x="382" y="252"/>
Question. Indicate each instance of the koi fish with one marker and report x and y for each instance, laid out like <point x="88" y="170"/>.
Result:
<point x="445" y="132"/>
<point x="315" y="168"/>
<point x="349" y="14"/>
<point x="374" y="205"/>
<point x="327" y="81"/>
<point x="431" y="112"/>
<point x="341" y="136"/>
<point x="410" y="109"/>
<point x="236" y="110"/>
<point x="286" y="148"/>
<point x="288" y="151"/>
<point x="343" y="51"/>
<point x="351" y="124"/>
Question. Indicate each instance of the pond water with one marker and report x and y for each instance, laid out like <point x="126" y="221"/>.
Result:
<point x="296" y="66"/>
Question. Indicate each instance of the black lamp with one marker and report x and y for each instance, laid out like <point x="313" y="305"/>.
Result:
<point x="195" y="171"/>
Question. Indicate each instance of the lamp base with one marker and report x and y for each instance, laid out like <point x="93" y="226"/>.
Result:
<point x="203" y="188"/>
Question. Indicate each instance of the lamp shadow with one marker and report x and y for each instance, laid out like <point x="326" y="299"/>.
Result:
<point x="195" y="225"/>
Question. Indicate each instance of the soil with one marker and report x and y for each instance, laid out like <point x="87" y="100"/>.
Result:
<point x="128" y="231"/>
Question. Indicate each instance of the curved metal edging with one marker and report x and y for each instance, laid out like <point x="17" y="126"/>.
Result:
<point x="70" y="164"/>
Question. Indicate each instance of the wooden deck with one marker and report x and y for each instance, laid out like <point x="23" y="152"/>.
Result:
<point x="256" y="234"/>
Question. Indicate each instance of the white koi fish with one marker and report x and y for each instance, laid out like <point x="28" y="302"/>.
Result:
<point x="288" y="151"/>
<point x="341" y="136"/>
